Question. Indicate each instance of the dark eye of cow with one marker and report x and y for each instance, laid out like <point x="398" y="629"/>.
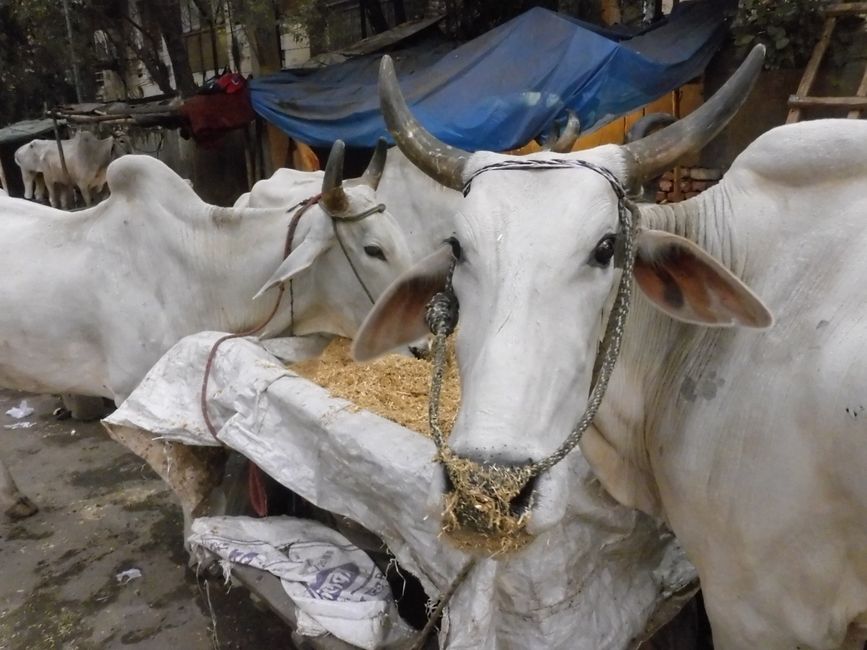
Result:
<point x="604" y="251"/>
<point x="375" y="251"/>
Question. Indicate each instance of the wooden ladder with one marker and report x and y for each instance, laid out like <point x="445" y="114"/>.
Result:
<point x="802" y="98"/>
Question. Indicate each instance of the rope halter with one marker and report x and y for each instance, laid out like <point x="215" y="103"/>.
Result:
<point x="478" y="512"/>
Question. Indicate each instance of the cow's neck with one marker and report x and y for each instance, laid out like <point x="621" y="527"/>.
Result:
<point x="657" y="352"/>
<point x="248" y="249"/>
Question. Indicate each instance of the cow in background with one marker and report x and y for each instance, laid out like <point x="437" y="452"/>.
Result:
<point x="101" y="294"/>
<point x="87" y="158"/>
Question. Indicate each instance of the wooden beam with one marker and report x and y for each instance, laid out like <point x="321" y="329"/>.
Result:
<point x="834" y="102"/>
<point x="844" y="8"/>
<point x="812" y="68"/>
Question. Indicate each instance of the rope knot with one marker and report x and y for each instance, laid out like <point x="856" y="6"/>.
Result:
<point x="441" y="313"/>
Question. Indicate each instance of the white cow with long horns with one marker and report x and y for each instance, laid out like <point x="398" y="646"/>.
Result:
<point x="750" y="441"/>
<point x="92" y="299"/>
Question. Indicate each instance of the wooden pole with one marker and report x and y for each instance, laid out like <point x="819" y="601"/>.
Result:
<point x="59" y="146"/>
<point x="62" y="157"/>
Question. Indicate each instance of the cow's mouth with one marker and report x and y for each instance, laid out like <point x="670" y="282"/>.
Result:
<point x="487" y="506"/>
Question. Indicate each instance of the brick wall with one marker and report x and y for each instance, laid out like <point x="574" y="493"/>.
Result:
<point x="685" y="182"/>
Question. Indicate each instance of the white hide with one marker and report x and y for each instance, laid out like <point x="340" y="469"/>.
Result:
<point x="94" y="298"/>
<point x="41" y="171"/>
<point x="426" y="210"/>
<point x="751" y="444"/>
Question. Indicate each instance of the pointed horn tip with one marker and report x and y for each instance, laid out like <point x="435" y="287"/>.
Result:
<point x="386" y="67"/>
<point x="338" y="147"/>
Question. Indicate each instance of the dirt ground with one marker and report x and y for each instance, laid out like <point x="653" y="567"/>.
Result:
<point x="102" y="511"/>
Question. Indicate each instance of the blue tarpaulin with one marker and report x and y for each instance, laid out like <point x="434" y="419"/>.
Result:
<point x="498" y="91"/>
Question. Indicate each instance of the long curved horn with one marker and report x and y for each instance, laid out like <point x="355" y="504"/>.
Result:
<point x="333" y="195"/>
<point x="568" y="136"/>
<point x="373" y="174"/>
<point x="658" y="152"/>
<point x="442" y="162"/>
<point x="648" y="124"/>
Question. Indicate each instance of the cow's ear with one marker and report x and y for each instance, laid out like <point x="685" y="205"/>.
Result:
<point x="689" y="285"/>
<point x="397" y="318"/>
<point x="316" y="242"/>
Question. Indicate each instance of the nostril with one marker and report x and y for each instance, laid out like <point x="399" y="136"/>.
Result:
<point x="523" y="501"/>
<point x="447" y="482"/>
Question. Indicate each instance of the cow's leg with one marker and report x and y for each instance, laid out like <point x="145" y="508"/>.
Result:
<point x="39" y="192"/>
<point x="14" y="504"/>
<point x="85" y="194"/>
<point x="191" y="472"/>
<point x="29" y="179"/>
<point x="65" y="193"/>
<point x="52" y="194"/>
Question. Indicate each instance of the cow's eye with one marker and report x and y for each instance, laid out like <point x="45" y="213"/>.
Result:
<point x="604" y="251"/>
<point x="374" y="251"/>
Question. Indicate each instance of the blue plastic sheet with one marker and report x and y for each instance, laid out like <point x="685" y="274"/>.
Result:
<point x="500" y="90"/>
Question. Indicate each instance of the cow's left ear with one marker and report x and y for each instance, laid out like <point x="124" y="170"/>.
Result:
<point x="689" y="285"/>
<point x="316" y="242"/>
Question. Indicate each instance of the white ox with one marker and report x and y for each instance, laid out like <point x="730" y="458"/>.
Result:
<point x="750" y="443"/>
<point x="91" y="301"/>
<point x="87" y="158"/>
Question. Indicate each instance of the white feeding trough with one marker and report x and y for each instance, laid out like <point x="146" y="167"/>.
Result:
<point x="603" y="579"/>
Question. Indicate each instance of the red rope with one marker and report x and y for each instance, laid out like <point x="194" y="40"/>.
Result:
<point x="259" y="499"/>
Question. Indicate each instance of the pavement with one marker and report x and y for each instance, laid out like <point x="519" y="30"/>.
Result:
<point x="102" y="512"/>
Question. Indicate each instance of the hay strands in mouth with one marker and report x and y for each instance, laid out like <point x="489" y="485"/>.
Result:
<point x="478" y="515"/>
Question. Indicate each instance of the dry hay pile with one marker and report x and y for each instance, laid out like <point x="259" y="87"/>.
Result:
<point x="394" y="386"/>
<point x="477" y="515"/>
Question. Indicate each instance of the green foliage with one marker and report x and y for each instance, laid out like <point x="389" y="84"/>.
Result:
<point x="788" y="28"/>
<point x="29" y="73"/>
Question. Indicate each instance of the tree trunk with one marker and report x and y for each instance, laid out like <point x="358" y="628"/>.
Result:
<point x="167" y="14"/>
<point x="150" y="49"/>
<point x="374" y="14"/>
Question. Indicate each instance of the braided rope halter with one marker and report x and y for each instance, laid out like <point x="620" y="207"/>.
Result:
<point x="478" y="511"/>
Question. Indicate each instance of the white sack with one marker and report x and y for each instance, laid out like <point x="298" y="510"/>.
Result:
<point x="591" y="583"/>
<point x="335" y="585"/>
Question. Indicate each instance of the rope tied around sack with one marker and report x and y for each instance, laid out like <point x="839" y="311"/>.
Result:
<point x="478" y="512"/>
